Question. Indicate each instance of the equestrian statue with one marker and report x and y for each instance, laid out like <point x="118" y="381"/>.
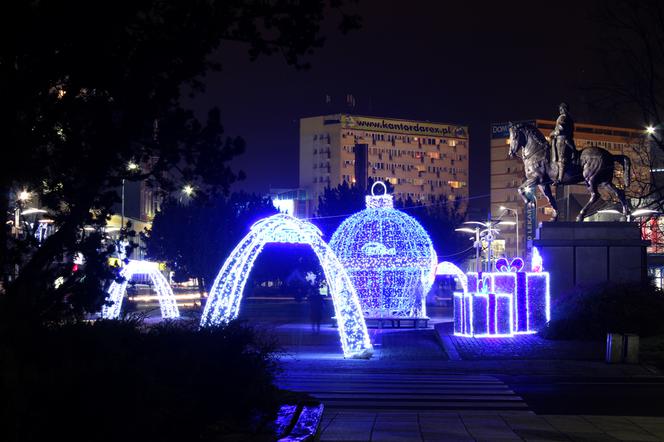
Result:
<point x="560" y="163"/>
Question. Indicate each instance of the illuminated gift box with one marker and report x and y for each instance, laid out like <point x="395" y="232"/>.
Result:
<point x="530" y="290"/>
<point x="483" y="313"/>
<point x="529" y="293"/>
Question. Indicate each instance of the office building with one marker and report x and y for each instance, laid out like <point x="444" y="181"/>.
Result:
<point x="423" y="161"/>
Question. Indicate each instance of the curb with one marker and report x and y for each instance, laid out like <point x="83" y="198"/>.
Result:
<point x="447" y="344"/>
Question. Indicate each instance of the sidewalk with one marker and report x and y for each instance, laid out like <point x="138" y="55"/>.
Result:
<point x="531" y="354"/>
<point x="485" y="426"/>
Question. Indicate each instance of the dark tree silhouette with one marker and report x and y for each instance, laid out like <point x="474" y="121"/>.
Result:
<point x="196" y="239"/>
<point x="335" y="205"/>
<point x="439" y="218"/>
<point x="88" y="88"/>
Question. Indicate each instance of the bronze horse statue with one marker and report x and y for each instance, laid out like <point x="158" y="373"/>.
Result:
<point x="593" y="166"/>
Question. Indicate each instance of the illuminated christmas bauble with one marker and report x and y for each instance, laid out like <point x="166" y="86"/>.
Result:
<point x="388" y="256"/>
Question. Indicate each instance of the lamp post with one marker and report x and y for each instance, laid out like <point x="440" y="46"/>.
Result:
<point x="131" y="168"/>
<point x="486" y="231"/>
<point x="477" y="244"/>
<point x="516" y="214"/>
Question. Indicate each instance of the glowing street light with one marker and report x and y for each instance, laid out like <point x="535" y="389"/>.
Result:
<point x="465" y="229"/>
<point x="131" y="166"/>
<point x="642" y="212"/>
<point x="610" y="211"/>
<point x="24" y="195"/>
<point x="650" y="130"/>
<point x="32" y="211"/>
<point x="188" y="190"/>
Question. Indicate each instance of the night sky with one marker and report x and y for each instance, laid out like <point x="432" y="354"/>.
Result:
<point x="469" y="62"/>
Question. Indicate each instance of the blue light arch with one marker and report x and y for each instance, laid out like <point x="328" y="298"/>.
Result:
<point x="223" y="303"/>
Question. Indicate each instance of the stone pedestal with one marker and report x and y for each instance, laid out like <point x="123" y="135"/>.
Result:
<point x="591" y="253"/>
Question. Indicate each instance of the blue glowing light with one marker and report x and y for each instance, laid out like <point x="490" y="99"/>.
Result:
<point x="116" y="292"/>
<point x="503" y="303"/>
<point x="223" y="303"/>
<point x="389" y="257"/>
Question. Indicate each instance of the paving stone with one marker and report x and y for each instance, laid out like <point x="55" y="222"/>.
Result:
<point x="397" y="426"/>
<point x="394" y="436"/>
<point x="633" y="435"/>
<point x="488" y="427"/>
<point x="528" y="423"/>
<point x="589" y="437"/>
<point x="541" y="435"/>
<point x="337" y="429"/>
<point x="452" y="434"/>
<point x="607" y="423"/>
<point x="653" y="425"/>
<point x="345" y="437"/>
<point x="571" y="424"/>
<point x="444" y="424"/>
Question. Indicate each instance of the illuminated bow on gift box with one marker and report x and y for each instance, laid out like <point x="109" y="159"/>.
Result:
<point x="503" y="265"/>
<point x="483" y="285"/>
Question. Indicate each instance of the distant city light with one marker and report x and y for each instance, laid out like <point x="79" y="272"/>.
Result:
<point x="188" y="190"/>
<point x="610" y="211"/>
<point x="641" y="212"/>
<point x="650" y="130"/>
<point x="131" y="166"/>
<point x="24" y="195"/>
<point x="33" y="210"/>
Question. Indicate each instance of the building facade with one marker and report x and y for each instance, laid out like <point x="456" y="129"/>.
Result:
<point x="508" y="174"/>
<point x="423" y="161"/>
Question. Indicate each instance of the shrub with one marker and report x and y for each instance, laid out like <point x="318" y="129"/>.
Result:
<point x="592" y="312"/>
<point x="118" y="380"/>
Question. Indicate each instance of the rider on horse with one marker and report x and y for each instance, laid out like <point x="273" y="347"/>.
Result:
<point x="562" y="141"/>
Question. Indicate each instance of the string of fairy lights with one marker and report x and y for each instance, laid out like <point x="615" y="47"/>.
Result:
<point x="117" y="290"/>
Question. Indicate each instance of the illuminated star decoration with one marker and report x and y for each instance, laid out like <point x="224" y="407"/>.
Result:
<point x="167" y="301"/>
<point x="388" y="256"/>
<point x="223" y="303"/>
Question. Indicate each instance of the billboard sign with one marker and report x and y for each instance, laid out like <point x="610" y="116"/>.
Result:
<point x="372" y="124"/>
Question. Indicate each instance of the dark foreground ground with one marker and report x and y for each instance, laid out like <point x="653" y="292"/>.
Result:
<point x="427" y="385"/>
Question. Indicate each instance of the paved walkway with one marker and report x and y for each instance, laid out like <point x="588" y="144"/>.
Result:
<point x="485" y="426"/>
<point x="403" y="391"/>
<point x="522" y="347"/>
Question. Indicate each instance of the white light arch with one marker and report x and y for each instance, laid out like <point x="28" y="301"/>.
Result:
<point x="167" y="302"/>
<point x="223" y="303"/>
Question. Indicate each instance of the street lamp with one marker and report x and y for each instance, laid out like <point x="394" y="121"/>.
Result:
<point x="650" y="130"/>
<point x="516" y="214"/>
<point x="483" y="230"/>
<point x="477" y="244"/>
<point x="131" y="167"/>
<point x="24" y="195"/>
<point x="188" y="190"/>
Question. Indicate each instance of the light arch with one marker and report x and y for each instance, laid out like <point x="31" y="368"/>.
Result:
<point x="116" y="292"/>
<point x="223" y="303"/>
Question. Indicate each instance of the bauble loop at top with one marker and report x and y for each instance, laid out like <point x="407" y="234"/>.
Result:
<point x="374" y="186"/>
<point x="383" y="201"/>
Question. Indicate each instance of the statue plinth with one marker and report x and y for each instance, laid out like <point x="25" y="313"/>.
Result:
<point x="587" y="253"/>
